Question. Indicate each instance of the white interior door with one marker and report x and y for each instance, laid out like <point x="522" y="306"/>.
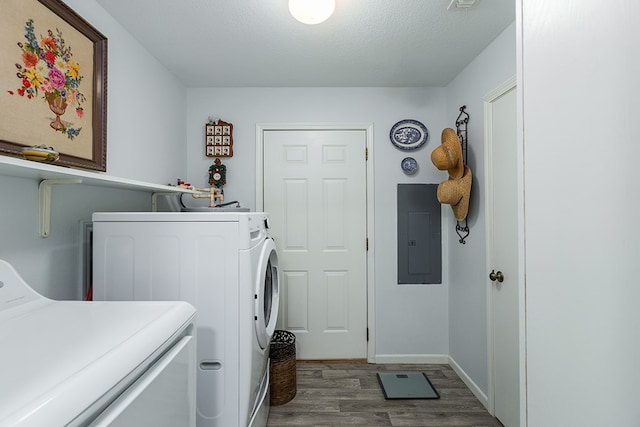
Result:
<point x="315" y="194"/>
<point x="502" y="217"/>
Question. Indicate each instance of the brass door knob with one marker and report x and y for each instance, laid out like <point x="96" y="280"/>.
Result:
<point x="493" y="276"/>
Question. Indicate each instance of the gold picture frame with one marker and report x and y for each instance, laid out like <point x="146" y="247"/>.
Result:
<point x="54" y="79"/>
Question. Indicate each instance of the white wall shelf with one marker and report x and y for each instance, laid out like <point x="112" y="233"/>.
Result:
<point x="16" y="167"/>
<point x="47" y="174"/>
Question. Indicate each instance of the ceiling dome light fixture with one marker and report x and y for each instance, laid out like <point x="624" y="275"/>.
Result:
<point x="312" y="11"/>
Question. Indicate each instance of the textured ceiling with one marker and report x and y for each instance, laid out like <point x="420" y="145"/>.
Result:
<point x="367" y="43"/>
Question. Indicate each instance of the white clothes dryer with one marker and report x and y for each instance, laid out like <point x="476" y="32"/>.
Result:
<point x="77" y="363"/>
<point x="225" y="264"/>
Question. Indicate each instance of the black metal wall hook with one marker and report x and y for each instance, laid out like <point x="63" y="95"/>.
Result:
<point x="461" y="131"/>
<point x="462" y="231"/>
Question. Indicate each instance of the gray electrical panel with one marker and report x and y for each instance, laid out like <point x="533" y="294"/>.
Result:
<point x="419" y="235"/>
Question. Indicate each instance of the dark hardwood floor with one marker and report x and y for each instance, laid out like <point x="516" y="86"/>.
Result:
<point x="348" y="394"/>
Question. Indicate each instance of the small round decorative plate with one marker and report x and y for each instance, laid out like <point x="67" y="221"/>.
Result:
<point x="408" y="134"/>
<point x="409" y="165"/>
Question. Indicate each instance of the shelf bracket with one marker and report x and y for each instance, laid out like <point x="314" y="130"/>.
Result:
<point x="44" y="199"/>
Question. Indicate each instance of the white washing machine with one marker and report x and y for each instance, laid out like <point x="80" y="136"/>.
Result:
<point x="76" y="363"/>
<point x="225" y="264"/>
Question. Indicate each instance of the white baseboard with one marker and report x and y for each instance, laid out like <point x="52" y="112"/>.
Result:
<point x="469" y="382"/>
<point x="440" y="359"/>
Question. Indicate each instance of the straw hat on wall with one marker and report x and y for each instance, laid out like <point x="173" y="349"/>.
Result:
<point x="457" y="189"/>
<point x="456" y="192"/>
<point x="448" y="155"/>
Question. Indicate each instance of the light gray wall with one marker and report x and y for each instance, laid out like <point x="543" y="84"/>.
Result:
<point x="410" y="319"/>
<point x="52" y="265"/>
<point x="146" y="106"/>
<point x="146" y="125"/>
<point x="580" y="82"/>
<point x="467" y="263"/>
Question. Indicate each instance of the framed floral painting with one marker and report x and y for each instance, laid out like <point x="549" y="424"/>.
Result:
<point x="53" y="74"/>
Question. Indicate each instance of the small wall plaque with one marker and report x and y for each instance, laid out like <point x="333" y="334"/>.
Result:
<point x="219" y="139"/>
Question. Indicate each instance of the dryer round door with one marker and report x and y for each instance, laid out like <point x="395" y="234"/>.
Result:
<point x="267" y="293"/>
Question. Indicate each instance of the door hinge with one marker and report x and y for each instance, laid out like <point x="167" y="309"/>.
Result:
<point x="366" y="154"/>
<point x="367" y="334"/>
<point x="367" y="244"/>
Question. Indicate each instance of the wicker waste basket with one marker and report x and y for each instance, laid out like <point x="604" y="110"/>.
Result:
<point x="282" y="372"/>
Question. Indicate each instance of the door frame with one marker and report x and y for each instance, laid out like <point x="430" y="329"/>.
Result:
<point x="488" y="100"/>
<point x="368" y="129"/>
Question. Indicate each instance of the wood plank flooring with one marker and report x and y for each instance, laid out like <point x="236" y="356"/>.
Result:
<point x="348" y="394"/>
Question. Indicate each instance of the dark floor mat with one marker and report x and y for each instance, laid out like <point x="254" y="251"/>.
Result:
<point x="406" y="385"/>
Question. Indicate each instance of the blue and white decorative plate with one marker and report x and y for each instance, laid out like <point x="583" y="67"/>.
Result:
<point x="408" y="134"/>
<point x="409" y="165"/>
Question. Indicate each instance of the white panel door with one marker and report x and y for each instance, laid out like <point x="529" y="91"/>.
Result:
<point x="503" y="256"/>
<point x="315" y="194"/>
